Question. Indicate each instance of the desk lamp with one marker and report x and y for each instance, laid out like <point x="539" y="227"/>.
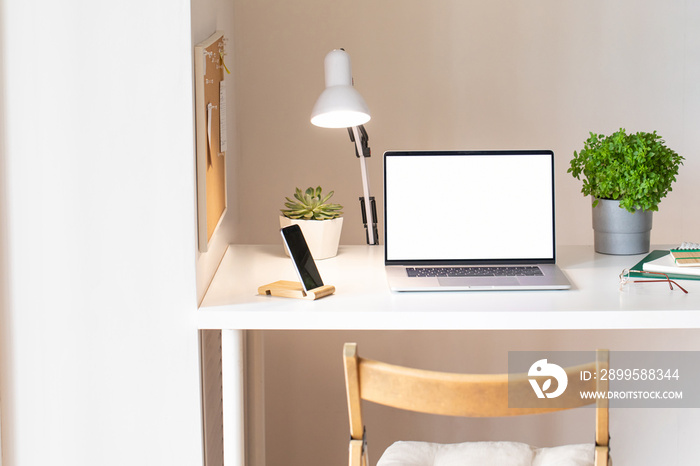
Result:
<point x="341" y="106"/>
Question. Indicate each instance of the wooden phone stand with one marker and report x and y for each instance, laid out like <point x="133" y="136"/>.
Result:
<point x="289" y="289"/>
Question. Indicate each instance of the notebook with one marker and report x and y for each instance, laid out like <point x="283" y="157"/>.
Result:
<point x="470" y="220"/>
<point x="687" y="255"/>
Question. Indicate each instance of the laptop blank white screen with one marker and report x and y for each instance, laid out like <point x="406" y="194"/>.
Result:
<point x="469" y="206"/>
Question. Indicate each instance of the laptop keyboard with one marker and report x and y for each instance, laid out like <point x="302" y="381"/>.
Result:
<point x="481" y="271"/>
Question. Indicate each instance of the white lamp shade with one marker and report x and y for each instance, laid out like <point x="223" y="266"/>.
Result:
<point x="340" y="105"/>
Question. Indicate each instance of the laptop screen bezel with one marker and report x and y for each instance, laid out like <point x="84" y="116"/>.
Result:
<point x="444" y="262"/>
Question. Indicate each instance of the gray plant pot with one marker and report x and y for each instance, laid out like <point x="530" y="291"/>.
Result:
<point x="617" y="231"/>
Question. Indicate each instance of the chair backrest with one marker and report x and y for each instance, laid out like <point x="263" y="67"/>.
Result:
<point x="468" y="395"/>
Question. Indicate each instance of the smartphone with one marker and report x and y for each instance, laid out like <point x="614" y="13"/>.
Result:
<point x="301" y="257"/>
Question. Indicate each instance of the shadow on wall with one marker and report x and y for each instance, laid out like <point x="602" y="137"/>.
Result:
<point x="5" y="324"/>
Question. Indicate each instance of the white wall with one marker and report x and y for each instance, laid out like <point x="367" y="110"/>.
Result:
<point x="450" y="74"/>
<point x="99" y="347"/>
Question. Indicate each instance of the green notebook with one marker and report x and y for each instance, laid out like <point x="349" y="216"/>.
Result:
<point x="653" y="255"/>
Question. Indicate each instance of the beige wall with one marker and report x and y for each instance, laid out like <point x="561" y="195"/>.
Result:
<point x="451" y="74"/>
<point x="307" y="419"/>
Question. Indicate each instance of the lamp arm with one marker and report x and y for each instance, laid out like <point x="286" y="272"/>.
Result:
<point x="369" y="214"/>
<point x="363" y="146"/>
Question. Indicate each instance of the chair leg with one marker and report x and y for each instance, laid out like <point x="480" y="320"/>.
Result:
<point x="602" y="456"/>
<point x="358" y="456"/>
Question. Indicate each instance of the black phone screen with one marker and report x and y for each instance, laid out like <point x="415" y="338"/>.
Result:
<point x="301" y="256"/>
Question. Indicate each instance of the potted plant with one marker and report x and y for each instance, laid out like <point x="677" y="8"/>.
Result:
<point x="319" y="220"/>
<point x="627" y="175"/>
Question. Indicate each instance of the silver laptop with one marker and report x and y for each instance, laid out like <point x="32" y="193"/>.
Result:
<point x="470" y="220"/>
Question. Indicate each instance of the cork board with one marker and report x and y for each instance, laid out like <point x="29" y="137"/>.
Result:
<point x="210" y="113"/>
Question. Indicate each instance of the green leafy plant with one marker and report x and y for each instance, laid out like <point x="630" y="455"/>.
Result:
<point x="311" y="205"/>
<point x="636" y="169"/>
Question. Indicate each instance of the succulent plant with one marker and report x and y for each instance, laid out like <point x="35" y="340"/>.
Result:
<point x="311" y="205"/>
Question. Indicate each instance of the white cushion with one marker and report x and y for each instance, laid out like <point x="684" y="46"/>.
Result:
<point x="485" y="454"/>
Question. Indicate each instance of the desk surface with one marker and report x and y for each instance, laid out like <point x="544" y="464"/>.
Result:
<point x="363" y="300"/>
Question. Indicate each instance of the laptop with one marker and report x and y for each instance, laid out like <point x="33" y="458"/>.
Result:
<point x="470" y="220"/>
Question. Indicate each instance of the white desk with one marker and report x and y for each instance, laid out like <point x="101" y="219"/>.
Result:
<point x="363" y="302"/>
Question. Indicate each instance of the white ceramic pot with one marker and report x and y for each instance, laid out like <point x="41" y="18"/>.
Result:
<point x="322" y="236"/>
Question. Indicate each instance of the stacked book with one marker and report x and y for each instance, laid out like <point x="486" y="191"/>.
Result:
<point x="681" y="262"/>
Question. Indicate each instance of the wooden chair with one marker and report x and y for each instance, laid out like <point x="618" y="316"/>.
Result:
<point x="469" y="395"/>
